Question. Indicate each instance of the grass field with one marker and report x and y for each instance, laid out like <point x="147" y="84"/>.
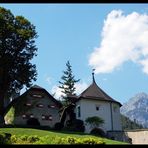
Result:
<point x="42" y="133"/>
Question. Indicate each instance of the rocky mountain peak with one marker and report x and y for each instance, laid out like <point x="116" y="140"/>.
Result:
<point x="137" y="108"/>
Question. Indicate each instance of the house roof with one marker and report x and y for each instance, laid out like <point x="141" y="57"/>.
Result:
<point x="96" y="93"/>
<point x="36" y="87"/>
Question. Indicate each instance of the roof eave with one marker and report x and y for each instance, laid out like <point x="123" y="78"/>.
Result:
<point x="98" y="99"/>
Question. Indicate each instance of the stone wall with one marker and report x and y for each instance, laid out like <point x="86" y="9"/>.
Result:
<point x="139" y="136"/>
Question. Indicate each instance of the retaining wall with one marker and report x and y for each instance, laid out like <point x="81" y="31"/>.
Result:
<point x="138" y="136"/>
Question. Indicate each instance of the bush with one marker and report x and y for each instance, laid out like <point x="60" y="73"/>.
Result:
<point x="92" y="141"/>
<point x="33" y="139"/>
<point x="58" y="126"/>
<point x="98" y="132"/>
<point x="75" y="125"/>
<point x="73" y="140"/>
<point x="5" y="138"/>
<point x="94" y="121"/>
<point x="13" y="139"/>
<point x="24" y="139"/>
<point x="54" y="140"/>
<point x="78" y="122"/>
<point x="33" y="121"/>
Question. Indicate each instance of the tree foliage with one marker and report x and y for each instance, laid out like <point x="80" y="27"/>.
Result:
<point x="68" y="82"/>
<point x="94" y="121"/>
<point x="17" y="38"/>
<point x="128" y="124"/>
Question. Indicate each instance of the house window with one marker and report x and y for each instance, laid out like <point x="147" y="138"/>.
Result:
<point x="27" y="116"/>
<point x="47" y="117"/>
<point x="37" y="96"/>
<point x="31" y="116"/>
<point x="28" y="104"/>
<point x="40" y="105"/>
<point x="24" y="116"/>
<point x="43" y="117"/>
<point x="51" y="106"/>
<point x="78" y="111"/>
<point x="97" y="107"/>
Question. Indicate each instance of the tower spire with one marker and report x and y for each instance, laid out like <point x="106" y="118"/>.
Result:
<point x="93" y="75"/>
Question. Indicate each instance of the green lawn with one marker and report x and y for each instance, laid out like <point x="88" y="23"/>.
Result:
<point x="42" y="133"/>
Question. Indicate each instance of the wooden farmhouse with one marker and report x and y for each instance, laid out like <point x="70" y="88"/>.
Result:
<point x="34" y="103"/>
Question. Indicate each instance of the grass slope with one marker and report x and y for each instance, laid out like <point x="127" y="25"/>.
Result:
<point x="41" y="133"/>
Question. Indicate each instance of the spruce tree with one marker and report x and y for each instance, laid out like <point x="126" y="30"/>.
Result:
<point x="68" y="83"/>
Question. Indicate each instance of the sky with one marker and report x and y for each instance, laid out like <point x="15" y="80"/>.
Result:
<point x="111" y="38"/>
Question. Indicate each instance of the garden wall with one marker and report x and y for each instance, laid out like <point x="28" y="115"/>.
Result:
<point x="138" y="136"/>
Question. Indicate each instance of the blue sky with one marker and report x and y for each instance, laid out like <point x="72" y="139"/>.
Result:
<point x="112" y="38"/>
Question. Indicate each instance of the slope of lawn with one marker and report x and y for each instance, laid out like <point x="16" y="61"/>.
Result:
<point x="51" y="133"/>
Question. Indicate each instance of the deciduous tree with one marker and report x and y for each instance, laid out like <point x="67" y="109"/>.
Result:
<point x="17" y="38"/>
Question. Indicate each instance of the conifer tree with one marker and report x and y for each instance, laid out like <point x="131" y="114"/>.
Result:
<point x="68" y="82"/>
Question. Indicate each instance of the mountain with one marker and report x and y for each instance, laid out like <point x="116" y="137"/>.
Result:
<point x="137" y="109"/>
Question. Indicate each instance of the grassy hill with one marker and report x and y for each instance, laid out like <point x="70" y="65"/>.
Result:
<point x="18" y="132"/>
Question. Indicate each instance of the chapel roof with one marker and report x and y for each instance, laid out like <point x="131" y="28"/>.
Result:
<point x="96" y="93"/>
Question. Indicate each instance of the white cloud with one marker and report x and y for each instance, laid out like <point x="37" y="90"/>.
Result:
<point x="124" y="38"/>
<point x="57" y="92"/>
<point x="80" y="86"/>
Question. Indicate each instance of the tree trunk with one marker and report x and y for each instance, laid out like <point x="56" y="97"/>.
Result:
<point x="2" y="109"/>
<point x="2" y="95"/>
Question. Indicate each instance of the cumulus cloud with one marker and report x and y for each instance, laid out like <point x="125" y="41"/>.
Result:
<point x="57" y="92"/>
<point x="123" y="38"/>
<point x="80" y="87"/>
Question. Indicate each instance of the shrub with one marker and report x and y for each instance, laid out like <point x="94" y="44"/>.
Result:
<point x="75" y="125"/>
<point x="58" y="126"/>
<point x="33" y="121"/>
<point x="94" y="121"/>
<point x="78" y="122"/>
<point x="5" y="138"/>
<point x="54" y="140"/>
<point x="14" y="139"/>
<point x="98" y="132"/>
<point x="92" y="141"/>
<point x="73" y="140"/>
<point x="33" y="139"/>
<point x="24" y="139"/>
